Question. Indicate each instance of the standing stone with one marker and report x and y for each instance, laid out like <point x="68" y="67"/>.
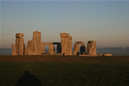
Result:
<point x="26" y="51"/>
<point x="91" y="48"/>
<point x="30" y="47"/>
<point x="51" y="49"/>
<point x="70" y="45"/>
<point x="14" y="49"/>
<point x="17" y="45"/>
<point x="36" y="43"/>
<point x="18" y="48"/>
<point x="66" y="46"/>
<point x="42" y="48"/>
<point x="65" y="43"/>
<point x="76" y="49"/>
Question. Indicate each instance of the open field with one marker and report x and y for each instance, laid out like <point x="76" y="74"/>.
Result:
<point x="64" y="71"/>
<point x="66" y="59"/>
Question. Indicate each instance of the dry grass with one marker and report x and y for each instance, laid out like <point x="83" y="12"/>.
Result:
<point x="66" y="59"/>
<point x="64" y="71"/>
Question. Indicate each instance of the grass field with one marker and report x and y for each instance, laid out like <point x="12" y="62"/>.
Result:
<point x="63" y="71"/>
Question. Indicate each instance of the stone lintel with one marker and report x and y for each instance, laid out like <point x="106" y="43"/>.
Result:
<point x="47" y="43"/>
<point x="91" y="41"/>
<point x="78" y="42"/>
<point x="19" y="35"/>
<point x="70" y="37"/>
<point x="56" y="42"/>
<point x="37" y="32"/>
<point x="64" y="35"/>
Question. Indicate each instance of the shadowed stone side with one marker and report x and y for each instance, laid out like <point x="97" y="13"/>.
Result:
<point x="82" y="48"/>
<point x="59" y="48"/>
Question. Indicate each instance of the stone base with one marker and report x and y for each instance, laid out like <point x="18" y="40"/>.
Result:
<point x="100" y="54"/>
<point x="88" y="55"/>
<point x="108" y="54"/>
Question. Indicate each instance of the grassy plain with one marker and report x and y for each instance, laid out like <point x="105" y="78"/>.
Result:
<point x="64" y="71"/>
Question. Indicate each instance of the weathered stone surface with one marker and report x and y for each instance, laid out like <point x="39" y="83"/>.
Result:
<point x="19" y="46"/>
<point x="70" y="45"/>
<point x="37" y="43"/>
<point x="42" y="48"/>
<point x="76" y="49"/>
<point x="65" y="43"/>
<point x="19" y="35"/>
<point x="66" y="46"/>
<point x="107" y="54"/>
<point x="51" y="49"/>
<point x="30" y="47"/>
<point x="14" y="49"/>
<point x="91" y="48"/>
<point x="26" y="51"/>
<point x="64" y="35"/>
<point x="14" y="46"/>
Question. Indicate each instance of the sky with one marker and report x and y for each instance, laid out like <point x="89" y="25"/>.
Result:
<point x="104" y="21"/>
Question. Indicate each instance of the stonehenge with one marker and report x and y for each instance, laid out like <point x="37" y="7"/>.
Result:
<point x="36" y="47"/>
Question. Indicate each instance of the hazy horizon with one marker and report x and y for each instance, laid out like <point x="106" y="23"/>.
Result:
<point x="114" y="52"/>
<point x="106" y="22"/>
